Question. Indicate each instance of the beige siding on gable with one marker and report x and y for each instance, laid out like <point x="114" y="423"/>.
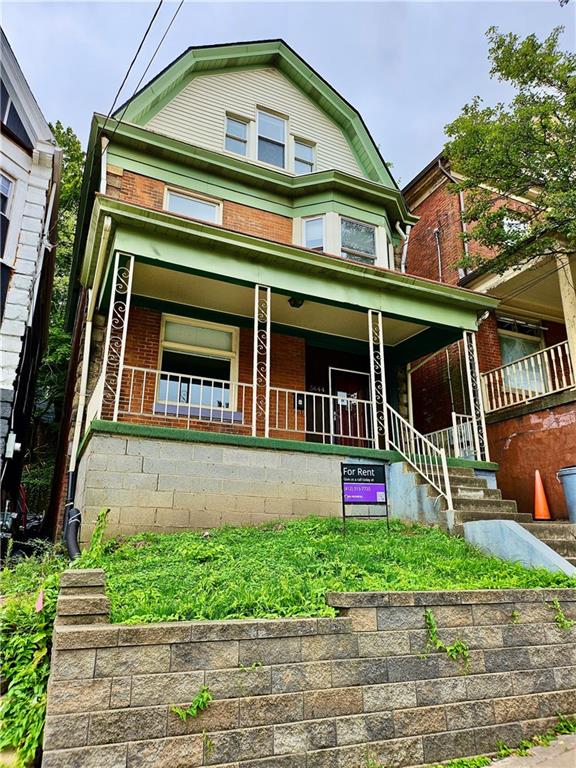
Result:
<point x="197" y="114"/>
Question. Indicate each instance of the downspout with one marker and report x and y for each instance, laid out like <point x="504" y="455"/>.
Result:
<point x="405" y="237"/>
<point x="438" y="252"/>
<point x="73" y="517"/>
<point x="463" y="224"/>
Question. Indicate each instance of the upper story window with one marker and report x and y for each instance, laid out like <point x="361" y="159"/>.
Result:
<point x="271" y="139"/>
<point x="6" y="186"/>
<point x="358" y="240"/>
<point x="515" y="228"/>
<point x="194" y="207"/>
<point x="314" y="233"/>
<point x="11" y="119"/>
<point x="236" y="136"/>
<point x="303" y="157"/>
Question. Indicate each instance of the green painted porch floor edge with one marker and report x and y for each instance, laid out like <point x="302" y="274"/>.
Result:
<point x="193" y="436"/>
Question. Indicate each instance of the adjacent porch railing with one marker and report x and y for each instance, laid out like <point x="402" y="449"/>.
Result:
<point x="541" y="373"/>
<point x="420" y="452"/>
<point x="330" y="418"/>
<point x="184" y="399"/>
<point x="458" y="439"/>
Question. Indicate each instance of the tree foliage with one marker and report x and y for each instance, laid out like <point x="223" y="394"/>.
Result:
<point x="523" y="149"/>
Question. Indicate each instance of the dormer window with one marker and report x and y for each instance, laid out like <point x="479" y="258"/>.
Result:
<point x="236" y="136"/>
<point x="271" y="139"/>
<point x="303" y="157"/>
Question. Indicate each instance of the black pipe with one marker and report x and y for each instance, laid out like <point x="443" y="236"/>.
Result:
<point x="72" y="521"/>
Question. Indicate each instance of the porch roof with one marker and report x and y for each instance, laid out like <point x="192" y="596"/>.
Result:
<point x="192" y="246"/>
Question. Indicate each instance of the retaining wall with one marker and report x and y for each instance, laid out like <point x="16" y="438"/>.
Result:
<point x="347" y="692"/>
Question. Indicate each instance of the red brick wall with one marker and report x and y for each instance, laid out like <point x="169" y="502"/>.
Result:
<point x="545" y="440"/>
<point x="143" y="190"/>
<point x="488" y="344"/>
<point x="287" y="360"/>
<point x="554" y="333"/>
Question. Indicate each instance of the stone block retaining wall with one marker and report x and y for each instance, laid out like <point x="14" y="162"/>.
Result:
<point x="345" y="692"/>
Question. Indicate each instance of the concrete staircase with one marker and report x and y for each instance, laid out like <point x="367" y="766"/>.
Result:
<point x="474" y="500"/>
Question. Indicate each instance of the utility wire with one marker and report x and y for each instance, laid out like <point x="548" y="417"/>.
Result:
<point x="119" y="118"/>
<point x="532" y="283"/>
<point x="149" y="27"/>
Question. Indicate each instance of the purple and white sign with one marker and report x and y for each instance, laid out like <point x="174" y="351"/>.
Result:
<point x="363" y="484"/>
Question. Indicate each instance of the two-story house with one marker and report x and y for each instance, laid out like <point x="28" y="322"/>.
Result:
<point x="526" y="346"/>
<point x="240" y="325"/>
<point x="29" y="182"/>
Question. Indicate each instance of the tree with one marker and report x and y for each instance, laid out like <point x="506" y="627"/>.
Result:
<point x="51" y="380"/>
<point x="525" y="149"/>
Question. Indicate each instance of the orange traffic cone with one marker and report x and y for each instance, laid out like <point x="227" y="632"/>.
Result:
<point x="541" y="511"/>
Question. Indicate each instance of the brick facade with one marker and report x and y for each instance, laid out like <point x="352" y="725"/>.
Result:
<point x="149" y="192"/>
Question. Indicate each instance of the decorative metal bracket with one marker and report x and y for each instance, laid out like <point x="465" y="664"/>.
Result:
<point x="261" y="362"/>
<point x="475" y="395"/>
<point x="116" y="333"/>
<point x="378" y="380"/>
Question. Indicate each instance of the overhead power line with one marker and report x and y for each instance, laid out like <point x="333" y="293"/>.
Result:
<point x="119" y="118"/>
<point x="126" y="76"/>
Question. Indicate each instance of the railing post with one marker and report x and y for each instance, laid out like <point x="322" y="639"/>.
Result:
<point x="455" y="435"/>
<point x="116" y="332"/>
<point x="378" y="380"/>
<point x="446" y="477"/>
<point x="261" y="360"/>
<point x="475" y="395"/>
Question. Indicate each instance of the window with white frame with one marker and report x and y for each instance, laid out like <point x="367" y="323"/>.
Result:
<point x="519" y="339"/>
<point x="314" y="233"/>
<point x="358" y="240"/>
<point x="271" y="139"/>
<point x="194" y="207"/>
<point x="514" y="228"/>
<point x="6" y="187"/>
<point x="303" y="157"/>
<point x="198" y="363"/>
<point x="236" y="139"/>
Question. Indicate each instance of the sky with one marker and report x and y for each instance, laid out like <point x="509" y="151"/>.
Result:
<point x="408" y="67"/>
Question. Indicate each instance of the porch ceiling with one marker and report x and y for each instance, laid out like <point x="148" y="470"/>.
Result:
<point x="532" y="292"/>
<point x="195" y="291"/>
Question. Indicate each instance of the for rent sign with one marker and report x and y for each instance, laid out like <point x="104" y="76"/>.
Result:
<point x="363" y="484"/>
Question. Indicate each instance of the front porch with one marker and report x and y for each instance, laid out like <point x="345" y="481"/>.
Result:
<point x="190" y="352"/>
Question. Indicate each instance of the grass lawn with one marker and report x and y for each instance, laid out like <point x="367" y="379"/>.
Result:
<point x="286" y="569"/>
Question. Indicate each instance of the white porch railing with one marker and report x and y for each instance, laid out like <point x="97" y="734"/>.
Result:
<point x="541" y="373"/>
<point x="166" y="396"/>
<point x="330" y="417"/>
<point x="458" y="439"/>
<point x="420" y="452"/>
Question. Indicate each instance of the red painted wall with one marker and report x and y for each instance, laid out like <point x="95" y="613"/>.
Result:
<point x="545" y="440"/>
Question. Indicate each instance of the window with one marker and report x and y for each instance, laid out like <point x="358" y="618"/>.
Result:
<point x="198" y="363"/>
<point x="314" y="233"/>
<point x="194" y="207"/>
<point x="5" y="193"/>
<point x="236" y="136"/>
<point x="303" y="157"/>
<point x="519" y="339"/>
<point x="271" y="139"/>
<point x="11" y="118"/>
<point x="358" y="241"/>
<point x="515" y="228"/>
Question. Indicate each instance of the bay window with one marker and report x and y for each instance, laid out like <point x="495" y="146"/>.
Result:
<point x="358" y="240"/>
<point x="314" y="233"/>
<point x="194" y="207"/>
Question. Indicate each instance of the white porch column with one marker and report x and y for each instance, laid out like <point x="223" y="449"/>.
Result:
<point x="475" y="396"/>
<point x="116" y="332"/>
<point x="261" y="362"/>
<point x="378" y="380"/>
<point x="568" y="297"/>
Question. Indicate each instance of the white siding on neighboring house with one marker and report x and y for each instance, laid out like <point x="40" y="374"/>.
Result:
<point x="198" y="114"/>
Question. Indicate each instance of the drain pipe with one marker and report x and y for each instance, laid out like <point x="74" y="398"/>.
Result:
<point x="463" y="224"/>
<point x="405" y="237"/>
<point x="438" y="252"/>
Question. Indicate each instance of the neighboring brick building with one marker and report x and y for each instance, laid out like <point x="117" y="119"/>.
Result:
<point x="234" y="282"/>
<point x="526" y="348"/>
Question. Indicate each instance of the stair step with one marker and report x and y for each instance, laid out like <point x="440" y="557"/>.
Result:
<point x="471" y="492"/>
<point x="461" y="472"/>
<point x="556" y="529"/>
<point x="561" y="546"/>
<point x="572" y="561"/>
<point x="495" y="506"/>
<point x="469" y="516"/>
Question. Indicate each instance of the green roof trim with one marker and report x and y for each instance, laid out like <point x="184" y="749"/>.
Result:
<point x="268" y="53"/>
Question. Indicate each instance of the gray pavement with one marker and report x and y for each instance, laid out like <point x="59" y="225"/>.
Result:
<point x="560" y="754"/>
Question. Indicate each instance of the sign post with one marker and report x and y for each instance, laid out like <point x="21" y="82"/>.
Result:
<point x="364" y="484"/>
